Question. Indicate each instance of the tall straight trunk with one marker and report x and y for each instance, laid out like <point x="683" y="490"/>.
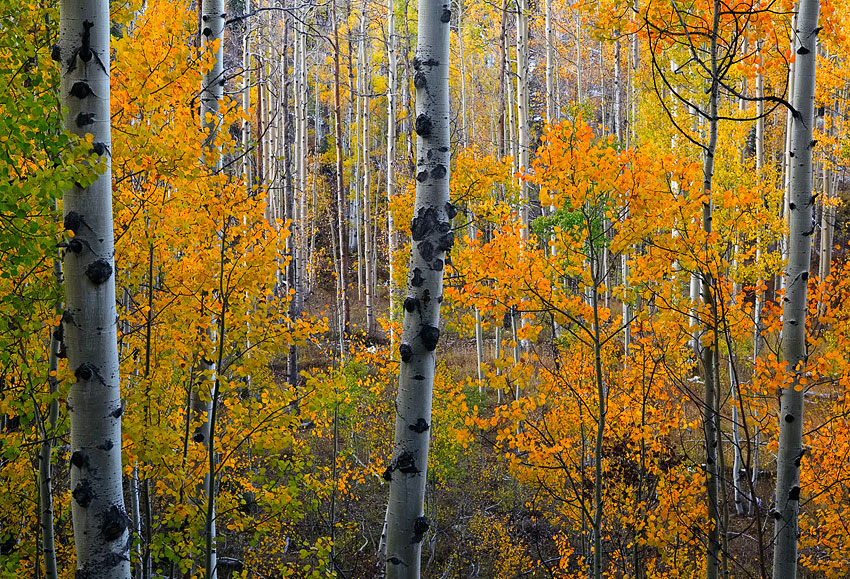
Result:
<point x="464" y="126"/>
<point x="740" y="483"/>
<point x="618" y="89"/>
<point x="90" y="321"/>
<point x="246" y="100"/>
<point x="708" y="353"/>
<point x="368" y="247"/>
<point x="579" y="87"/>
<point x="392" y="73"/>
<point x="432" y="236"/>
<point x="356" y="231"/>
<point x="603" y="102"/>
<point x="509" y="91"/>
<point x="522" y="105"/>
<point x="212" y="90"/>
<point x="341" y="197"/>
<point x="597" y="273"/>
<point x="407" y="116"/>
<point x="827" y="222"/>
<point x="48" y="431"/>
<point x="299" y="216"/>
<point x="551" y="115"/>
<point x="503" y="81"/>
<point x="801" y="215"/>
<point x="634" y="55"/>
<point x="788" y="153"/>
<point x="759" y="293"/>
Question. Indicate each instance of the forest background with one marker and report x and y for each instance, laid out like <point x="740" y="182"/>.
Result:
<point x="605" y="399"/>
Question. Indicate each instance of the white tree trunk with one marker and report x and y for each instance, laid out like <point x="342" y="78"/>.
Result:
<point x="368" y="248"/>
<point x="801" y="227"/>
<point x="432" y="236"/>
<point x="341" y="196"/>
<point x="522" y="105"/>
<point x="246" y="100"/>
<point x="787" y="158"/>
<point x="94" y="400"/>
<point x="45" y="467"/>
<point x="551" y="115"/>
<point x="212" y="90"/>
<point x="392" y="73"/>
<point x="827" y="222"/>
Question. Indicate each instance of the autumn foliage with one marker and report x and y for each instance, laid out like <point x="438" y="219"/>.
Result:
<point x="587" y="413"/>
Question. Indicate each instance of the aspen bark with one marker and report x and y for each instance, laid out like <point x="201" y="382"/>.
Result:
<point x="340" y="184"/>
<point x="759" y="294"/>
<point x="827" y="222"/>
<point x="246" y="100"/>
<point x="392" y="73"/>
<point x="212" y="90"/>
<point x="618" y="89"/>
<point x="522" y="106"/>
<point x="551" y="115"/>
<point x="708" y="352"/>
<point x="801" y="227"/>
<point x="368" y="247"/>
<point x="99" y="518"/>
<point x="788" y="153"/>
<point x="48" y="431"/>
<point x="432" y="237"/>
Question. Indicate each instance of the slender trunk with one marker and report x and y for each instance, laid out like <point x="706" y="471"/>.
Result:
<point x="618" y="89"/>
<point x="551" y="115"/>
<point x="246" y="100"/>
<point x="522" y="106"/>
<point x="340" y="180"/>
<point x="94" y="401"/>
<point x="392" y="72"/>
<point x="800" y="229"/>
<point x="708" y="353"/>
<point x="464" y="127"/>
<point x="212" y="90"/>
<point x="45" y="468"/>
<point x="509" y="91"/>
<point x="432" y="236"/>
<point x="368" y="248"/>
<point x="356" y="232"/>
<point x="503" y="79"/>
<point x="827" y="222"/>
<point x="479" y="350"/>
<point x="579" y="87"/>
<point x="602" y="402"/>
<point x="788" y="154"/>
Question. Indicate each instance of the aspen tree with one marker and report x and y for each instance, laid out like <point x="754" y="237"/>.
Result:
<point x="246" y="99"/>
<point x="100" y="521"/>
<point x="551" y="115"/>
<point x="340" y="183"/>
<point x="368" y="250"/>
<point x="801" y="226"/>
<point x="788" y="153"/>
<point x="759" y="293"/>
<point x="522" y="105"/>
<point x="212" y="90"/>
<point x="431" y="236"/>
<point x="708" y="351"/>
<point x="48" y="431"/>
<point x="392" y="73"/>
<point x="827" y="222"/>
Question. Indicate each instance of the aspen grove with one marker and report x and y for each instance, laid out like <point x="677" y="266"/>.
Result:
<point x="354" y="289"/>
